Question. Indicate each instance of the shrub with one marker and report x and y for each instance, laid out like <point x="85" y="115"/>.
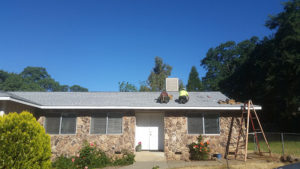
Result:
<point x="63" y="162"/>
<point x="127" y="159"/>
<point x="23" y="142"/>
<point x="199" y="150"/>
<point x="89" y="156"/>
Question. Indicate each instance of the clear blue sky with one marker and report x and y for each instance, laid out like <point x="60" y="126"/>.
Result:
<point x="98" y="43"/>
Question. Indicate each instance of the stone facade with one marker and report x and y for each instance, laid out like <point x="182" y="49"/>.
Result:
<point x="177" y="138"/>
<point x="69" y="144"/>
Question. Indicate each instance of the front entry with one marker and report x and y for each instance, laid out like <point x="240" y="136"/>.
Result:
<point x="150" y="130"/>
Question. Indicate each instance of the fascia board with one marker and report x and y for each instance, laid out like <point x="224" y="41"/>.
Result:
<point x="127" y="107"/>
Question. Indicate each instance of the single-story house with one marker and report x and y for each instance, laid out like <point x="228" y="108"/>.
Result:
<point x="119" y="120"/>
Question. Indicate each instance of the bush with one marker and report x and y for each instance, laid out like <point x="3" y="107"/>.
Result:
<point x="62" y="162"/>
<point x="23" y="142"/>
<point x="199" y="150"/>
<point x="127" y="159"/>
<point x="89" y="156"/>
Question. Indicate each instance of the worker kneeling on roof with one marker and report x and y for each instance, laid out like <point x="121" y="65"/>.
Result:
<point x="183" y="96"/>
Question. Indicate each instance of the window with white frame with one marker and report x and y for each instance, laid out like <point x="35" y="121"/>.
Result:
<point x="202" y="123"/>
<point x="61" y="124"/>
<point x="106" y="123"/>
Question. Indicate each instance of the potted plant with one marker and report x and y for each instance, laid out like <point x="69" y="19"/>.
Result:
<point x="138" y="148"/>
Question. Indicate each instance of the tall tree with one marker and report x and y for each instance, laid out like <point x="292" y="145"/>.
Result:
<point x="126" y="87"/>
<point x="270" y="72"/>
<point x="35" y="74"/>
<point x="33" y="79"/>
<point x="77" y="88"/>
<point x="181" y="85"/>
<point x="194" y="83"/>
<point x="144" y="87"/>
<point x="222" y="61"/>
<point x="158" y="75"/>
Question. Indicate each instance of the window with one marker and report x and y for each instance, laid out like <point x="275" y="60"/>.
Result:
<point x="61" y="124"/>
<point x="109" y="123"/>
<point x="200" y="123"/>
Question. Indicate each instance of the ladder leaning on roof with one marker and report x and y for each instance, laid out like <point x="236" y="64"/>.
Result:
<point x="247" y="110"/>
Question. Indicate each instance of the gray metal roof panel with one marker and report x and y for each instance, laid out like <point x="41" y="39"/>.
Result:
<point x="119" y="99"/>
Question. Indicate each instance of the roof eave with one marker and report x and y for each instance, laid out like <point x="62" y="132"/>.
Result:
<point x="128" y="107"/>
<point x="146" y="108"/>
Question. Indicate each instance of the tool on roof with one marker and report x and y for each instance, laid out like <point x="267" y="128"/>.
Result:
<point x="247" y="108"/>
<point x="228" y="101"/>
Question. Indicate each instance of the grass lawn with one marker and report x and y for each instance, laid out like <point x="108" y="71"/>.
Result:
<point x="291" y="146"/>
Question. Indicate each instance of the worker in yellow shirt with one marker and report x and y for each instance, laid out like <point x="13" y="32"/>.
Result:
<point x="183" y="96"/>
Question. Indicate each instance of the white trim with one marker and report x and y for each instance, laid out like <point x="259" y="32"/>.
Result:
<point x="146" y="108"/>
<point x="2" y="113"/>
<point x="60" y="120"/>
<point x="129" y="107"/>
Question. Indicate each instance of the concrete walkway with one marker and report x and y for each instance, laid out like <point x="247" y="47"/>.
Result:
<point x="148" y="160"/>
<point x="170" y="164"/>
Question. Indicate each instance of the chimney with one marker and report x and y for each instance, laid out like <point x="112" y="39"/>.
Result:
<point x="172" y="84"/>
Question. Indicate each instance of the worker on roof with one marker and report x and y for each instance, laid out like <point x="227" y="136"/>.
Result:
<point x="164" y="97"/>
<point x="183" y="96"/>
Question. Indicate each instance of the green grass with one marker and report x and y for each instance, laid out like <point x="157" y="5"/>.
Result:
<point x="291" y="145"/>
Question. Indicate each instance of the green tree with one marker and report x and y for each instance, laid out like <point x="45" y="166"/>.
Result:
<point x="3" y="76"/>
<point x="222" y="61"/>
<point x="270" y="72"/>
<point x="158" y="75"/>
<point x="194" y="83"/>
<point x="77" y="88"/>
<point x="33" y="79"/>
<point x="144" y="87"/>
<point x="64" y="88"/>
<point x="35" y="74"/>
<point x="181" y="85"/>
<point x="126" y="87"/>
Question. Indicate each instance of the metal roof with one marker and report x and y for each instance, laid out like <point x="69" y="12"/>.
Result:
<point x="119" y="100"/>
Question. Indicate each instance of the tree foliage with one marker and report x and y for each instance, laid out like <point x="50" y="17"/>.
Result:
<point x="23" y="142"/>
<point x="222" y="61"/>
<point x="33" y="79"/>
<point x="77" y="88"/>
<point x="126" y="87"/>
<point x="266" y="71"/>
<point x="158" y="75"/>
<point x="194" y="83"/>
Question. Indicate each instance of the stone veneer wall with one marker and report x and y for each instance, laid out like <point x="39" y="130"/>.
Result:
<point x="69" y="144"/>
<point x="177" y="138"/>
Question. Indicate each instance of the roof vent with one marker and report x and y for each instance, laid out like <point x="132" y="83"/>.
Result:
<point x="172" y="84"/>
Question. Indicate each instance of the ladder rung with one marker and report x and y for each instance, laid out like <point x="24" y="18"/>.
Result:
<point x="231" y="153"/>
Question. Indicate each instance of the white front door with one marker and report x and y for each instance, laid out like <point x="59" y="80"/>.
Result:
<point x="149" y="130"/>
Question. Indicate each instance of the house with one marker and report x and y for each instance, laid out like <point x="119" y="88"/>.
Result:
<point x="119" y="120"/>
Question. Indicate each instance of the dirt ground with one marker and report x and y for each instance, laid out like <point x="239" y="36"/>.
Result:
<point x="254" y="162"/>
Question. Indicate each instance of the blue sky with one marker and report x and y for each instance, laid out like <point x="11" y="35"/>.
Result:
<point x="99" y="43"/>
